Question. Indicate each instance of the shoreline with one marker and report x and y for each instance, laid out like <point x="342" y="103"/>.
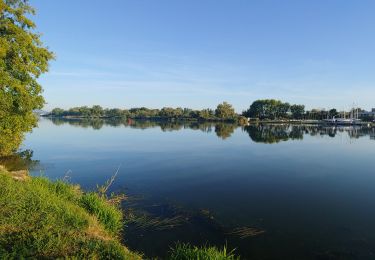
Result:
<point x="70" y="222"/>
<point x="250" y="122"/>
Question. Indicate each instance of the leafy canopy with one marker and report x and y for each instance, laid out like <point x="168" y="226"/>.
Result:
<point x="23" y="58"/>
<point x="225" y="111"/>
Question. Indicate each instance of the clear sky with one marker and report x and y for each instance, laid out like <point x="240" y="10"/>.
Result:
<point x="197" y="53"/>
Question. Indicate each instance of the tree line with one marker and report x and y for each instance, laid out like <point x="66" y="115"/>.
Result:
<point x="272" y="109"/>
<point x="223" y="112"/>
<point x="263" y="109"/>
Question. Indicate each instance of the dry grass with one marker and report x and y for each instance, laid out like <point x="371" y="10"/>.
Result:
<point x="246" y="232"/>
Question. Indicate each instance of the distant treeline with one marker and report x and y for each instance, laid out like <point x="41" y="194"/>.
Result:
<point x="223" y="112"/>
<point x="265" y="109"/>
<point x="272" y="109"/>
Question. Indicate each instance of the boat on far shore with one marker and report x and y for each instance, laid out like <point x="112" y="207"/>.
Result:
<point x="344" y="121"/>
<point x="352" y="120"/>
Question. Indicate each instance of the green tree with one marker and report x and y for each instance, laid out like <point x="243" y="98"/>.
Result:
<point x="84" y="111"/>
<point x="97" y="111"/>
<point x="333" y="112"/>
<point x="225" y="111"/>
<point x="57" y="111"/>
<point x="114" y="112"/>
<point x="23" y="58"/>
<point x="267" y="109"/>
<point x="206" y="113"/>
<point x="297" y="111"/>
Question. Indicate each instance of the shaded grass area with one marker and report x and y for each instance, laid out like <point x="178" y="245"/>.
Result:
<point x="44" y="219"/>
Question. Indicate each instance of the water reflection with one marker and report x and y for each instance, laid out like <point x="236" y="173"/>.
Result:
<point x="224" y="130"/>
<point x="305" y="191"/>
<point x="20" y="161"/>
<point x="268" y="133"/>
<point x="273" y="133"/>
<point x="259" y="133"/>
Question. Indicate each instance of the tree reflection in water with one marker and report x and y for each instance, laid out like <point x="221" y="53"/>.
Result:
<point x="275" y="133"/>
<point x="19" y="161"/>
<point x="260" y="133"/>
<point x="224" y="130"/>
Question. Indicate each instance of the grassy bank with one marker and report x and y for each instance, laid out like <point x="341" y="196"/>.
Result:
<point x="41" y="219"/>
<point x="44" y="219"/>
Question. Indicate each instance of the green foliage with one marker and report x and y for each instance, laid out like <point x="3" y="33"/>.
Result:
<point x="206" y="114"/>
<point x="297" y="111"/>
<point x="99" y="249"/>
<point x="97" y="111"/>
<point x="22" y="60"/>
<point x="268" y="109"/>
<point x="225" y="111"/>
<point x="333" y="112"/>
<point x="57" y="111"/>
<point x="187" y="252"/>
<point x="320" y="114"/>
<point x="44" y="219"/>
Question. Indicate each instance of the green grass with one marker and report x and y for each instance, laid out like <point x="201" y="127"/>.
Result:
<point x="108" y="215"/>
<point x="44" y="219"/>
<point x="187" y="252"/>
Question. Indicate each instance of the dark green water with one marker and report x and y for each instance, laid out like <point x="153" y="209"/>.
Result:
<point x="311" y="189"/>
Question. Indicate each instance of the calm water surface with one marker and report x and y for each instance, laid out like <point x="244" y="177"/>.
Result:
<point x="309" y="189"/>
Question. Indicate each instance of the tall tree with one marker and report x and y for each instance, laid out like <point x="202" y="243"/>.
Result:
<point x="225" y="111"/>
<point x="23" y="58"/>
<point x="267" y="108"/>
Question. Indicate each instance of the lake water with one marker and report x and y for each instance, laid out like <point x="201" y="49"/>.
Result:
<point x="270" y="191"/>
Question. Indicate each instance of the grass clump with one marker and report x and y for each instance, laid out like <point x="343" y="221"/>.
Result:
<point x="108" y="215"/>
<point x="188" y="252"/>
<point x="44" y="219"/>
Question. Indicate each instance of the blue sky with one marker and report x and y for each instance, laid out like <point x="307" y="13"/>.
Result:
<point x="197" y="53"/>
